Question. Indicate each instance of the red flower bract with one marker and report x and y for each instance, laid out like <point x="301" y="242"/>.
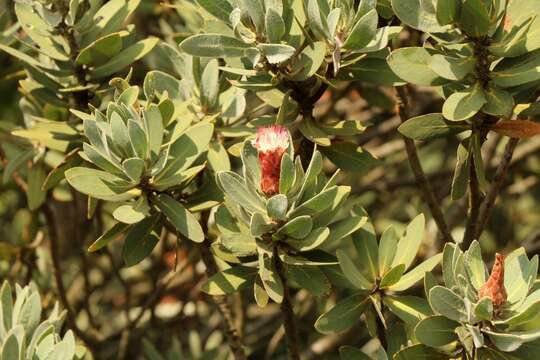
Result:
<point x="494" y="286"/>
<point x="271" y="143"/>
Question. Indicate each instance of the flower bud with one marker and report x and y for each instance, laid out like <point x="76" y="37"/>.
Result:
<point x="271" y="143"/>
<point x="494" y="286"/>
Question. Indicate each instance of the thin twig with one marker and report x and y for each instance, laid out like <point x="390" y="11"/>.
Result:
<point x="291" y="334"/>
<point x="416" y="167"/>
<point x="487" y="205"/>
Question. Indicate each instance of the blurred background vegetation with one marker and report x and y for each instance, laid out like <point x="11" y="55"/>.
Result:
<point x="177" y="317"/>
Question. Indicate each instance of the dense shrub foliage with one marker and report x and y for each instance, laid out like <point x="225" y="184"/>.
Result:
<point x="302" y="179"/>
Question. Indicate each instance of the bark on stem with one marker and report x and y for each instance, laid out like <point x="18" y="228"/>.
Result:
<point x="500" y="175"/>
<point x="291" y="334"/>
<point x="475" y="199"/>
<point x="223" y="306"/>
<point x="418" y="171"/>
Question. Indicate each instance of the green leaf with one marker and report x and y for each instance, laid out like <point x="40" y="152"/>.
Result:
<point x="132" y="212"/>
<point x="309" y="61"/>
<point x="461" y="173"/>
<point x="412" y="64"/>
<point x="297" y="228"/>
<point x="218" y="159"/>
<point x="255" y="9"/>
<point x="436" y="331"/>
<point x="54" y="135"/>
<point x="154" y="128"/>
<point x="317" y="203"/>
<point x="351" y="272"/>
<point x="229" y="280"/>
<point x="365" y="242"/>
<point x="344" y="127"/>
<point x="348" y="156"/>
<point x="362" y="32"/>
<point x="275" y="27"/>
<point x="351" y="353"/>
<point x="408" y="244"/>
<point x="180" y="217"/>
<point x="474" y="18"/>
<point x="416" y="274"/>
<point x="410" y="309"/>
<point x="310" y="130"/>
<point x="138" y="138"/>
<point x="258" y="225"/>
<point x="517" y="71"/>
<point x="276" y="207"/>
<point x="484" y="309"/>
<point x="287" y="175"/>
<point x="140" y="240"/>
<point x="276" y="53"/>
<point x="10" y="347"/>
<point x="519" y="274"/>
<point x="261" y="297"/>
<point x="317" y="18"/>
<point x="464" y="104"/>
<point x="34" y="193"/>
<point x="102" y="50"/>
<point x="447" y="11"/>
<point x="310" y="278"/>
<point x="371" y="70"/>
<point x="271" y="281"/>
<point x="452" y="68"/>
<point x="209" y="86"/>
<point x="108" y="236"/>
<point x="315" y="239"/>
<point x="345" y="227"/>
<point x="99" y="184"/>
<point x="392" y="276"/>
<point x="221" y="9"/>
<point x="387" y="249"/>
<point x="498" y="102"/>
<point x="511" y="341"/>
<point x="233" y="186"/>
<point x="16" y="163"/>
<point x="214" y="45"/>
<point x="134" y="168"/>
<point x="419" y="351"/>
<point x="6" y="305"/>
<point x="475" y="266"/>
<point x="343" y="315"/>
<point x="125" y="58"/>
<point x="414" y="14"/>
<point x="430" y="126"/>
<point x="446" y="302"/>
<point x="186" y="149"/>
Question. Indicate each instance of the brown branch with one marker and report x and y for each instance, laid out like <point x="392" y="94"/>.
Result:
<point x="291" y="334"/>
<point x="475" y="199"/>
<point x="416" y="167"/>
<point x="487" y="205"/>
<point x="223" y="306"/>
<point x="90" y="339"/>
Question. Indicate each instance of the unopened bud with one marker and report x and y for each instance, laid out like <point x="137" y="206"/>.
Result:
<point x="271" y="143"/>
<point x="494" y="286"/>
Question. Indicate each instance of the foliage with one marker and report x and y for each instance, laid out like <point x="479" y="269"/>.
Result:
<point x="23" y="335"/>
<point x="244" y="149"/>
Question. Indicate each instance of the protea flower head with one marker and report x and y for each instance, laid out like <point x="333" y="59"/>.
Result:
<point x="271" y="142"/>
<point x="494" y="286"/>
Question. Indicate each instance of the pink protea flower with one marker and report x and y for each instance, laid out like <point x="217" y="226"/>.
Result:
<point x="271" y="143"/>
<point x="494" y="286"/>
